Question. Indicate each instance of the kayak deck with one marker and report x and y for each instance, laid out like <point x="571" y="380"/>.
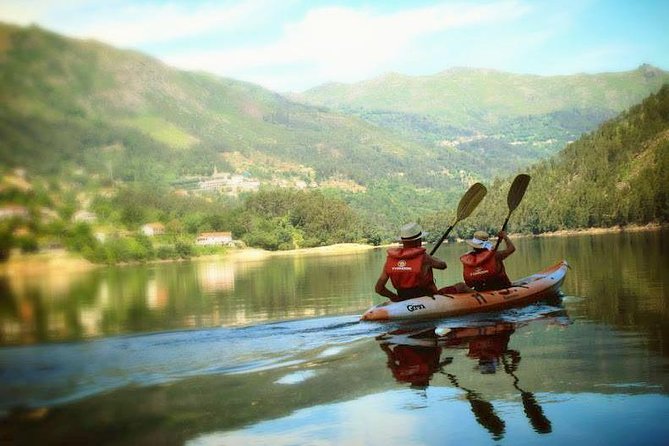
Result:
<point x="538" y="286"/>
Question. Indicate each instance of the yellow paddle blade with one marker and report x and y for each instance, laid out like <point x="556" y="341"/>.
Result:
<point x="517" y="191"/>
<point x="470" y="200"/>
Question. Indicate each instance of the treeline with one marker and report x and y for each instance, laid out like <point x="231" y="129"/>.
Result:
<point x="273" y="219"/>
<point x="276" y="219"/>
<point x="616" y="175"/>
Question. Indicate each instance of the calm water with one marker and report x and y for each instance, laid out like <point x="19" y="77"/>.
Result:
<point x="272" y="352"/>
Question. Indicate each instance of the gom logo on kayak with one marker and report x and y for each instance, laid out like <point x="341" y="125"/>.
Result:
<point x="414" y="307"/>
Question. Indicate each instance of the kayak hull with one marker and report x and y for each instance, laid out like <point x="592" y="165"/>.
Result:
<point x="530" y="289"/>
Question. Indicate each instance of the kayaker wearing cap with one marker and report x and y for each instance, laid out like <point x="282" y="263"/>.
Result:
<point x="484" y="267"/>
<point x="409" y="267"/>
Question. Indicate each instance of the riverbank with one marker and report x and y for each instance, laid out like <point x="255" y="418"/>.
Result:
<point x="44" y="263"/>
<point x="250" y="254"/>
<point x="594" y="231"/>
<point x="66" y="262"/>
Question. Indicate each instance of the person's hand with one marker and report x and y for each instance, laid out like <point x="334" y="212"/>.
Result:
<point x="502" y="234"/>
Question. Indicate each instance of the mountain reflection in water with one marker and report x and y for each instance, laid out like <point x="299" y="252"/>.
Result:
<point x="273" y="352"/>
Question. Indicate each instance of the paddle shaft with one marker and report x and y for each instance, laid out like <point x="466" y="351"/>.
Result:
<point x="442" y="238"/>
<point x="469" y="201"/>
<point x="513" y="199"/>
<point x="499" y="239"/>
<point x="532" y="409"/>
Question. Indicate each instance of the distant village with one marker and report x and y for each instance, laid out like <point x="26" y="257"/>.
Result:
<point x="16" y="183"/>
<point x="233" y="184"/>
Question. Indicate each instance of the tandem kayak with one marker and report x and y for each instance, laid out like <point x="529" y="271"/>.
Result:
<point x="530" y="289"/>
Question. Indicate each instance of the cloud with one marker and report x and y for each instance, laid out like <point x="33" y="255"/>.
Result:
<point x="133" y="24"/>
<point x="346" y="44"/>
<point x="25" y="12"/>
<point x="140" y="24"/>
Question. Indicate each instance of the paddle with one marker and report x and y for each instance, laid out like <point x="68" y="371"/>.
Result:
<point x="533" y="410"/>
<point x="467" y="204"/>
<point x="514" y="197"/>
<point x="483" y="410"/>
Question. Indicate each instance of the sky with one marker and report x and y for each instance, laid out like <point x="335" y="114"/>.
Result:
<point x="294" y="45"/>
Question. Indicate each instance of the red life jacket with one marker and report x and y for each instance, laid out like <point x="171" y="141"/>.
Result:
<point x="404" y="266"/>
<point x="483" y="272"/>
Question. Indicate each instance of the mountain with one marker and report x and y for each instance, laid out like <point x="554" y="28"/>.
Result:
<point x="68" y="105"/>
<point x="64" y="100"/>
<point x="615" y="175"/>
<point x="87" y="116"/>
<point x="482" y="115"/>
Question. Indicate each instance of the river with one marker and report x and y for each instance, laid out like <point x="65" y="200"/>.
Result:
<point x="271" y="351"/>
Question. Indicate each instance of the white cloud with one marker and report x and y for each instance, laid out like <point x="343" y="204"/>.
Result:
<point x="345" y="44"/>
<point x="133" y="24"/>
<point x="25" y="12"/>
<point x="141" y="24"/>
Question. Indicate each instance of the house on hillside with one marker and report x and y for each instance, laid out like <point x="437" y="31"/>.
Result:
<point x="84" y="217"/>
<point x="152" y="229"/>
<point x="16" y="181"/>
<point x="48" y="215"/>
<point x="214" y="239"/>
<point x="8" y="211"/>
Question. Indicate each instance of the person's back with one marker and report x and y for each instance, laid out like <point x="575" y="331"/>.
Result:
<point x="409" y="268"/>
<point x="408" y="272"/>
<point x="483" y="268"/>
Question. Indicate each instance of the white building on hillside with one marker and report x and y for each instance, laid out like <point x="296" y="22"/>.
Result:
<point x="214" y="238"/>
<point x="151" y="229"/>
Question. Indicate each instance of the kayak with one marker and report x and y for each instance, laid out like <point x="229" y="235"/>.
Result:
<point x="530" y="289"/>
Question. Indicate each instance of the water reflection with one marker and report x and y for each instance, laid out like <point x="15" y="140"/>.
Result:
<point x="286" y="379"/>
<point x="622" y="277"/>
<point x="198" y="294"/>
<point x="414" y="355"/>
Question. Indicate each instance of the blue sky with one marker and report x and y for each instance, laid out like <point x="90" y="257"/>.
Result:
<point x="292" y="45"/>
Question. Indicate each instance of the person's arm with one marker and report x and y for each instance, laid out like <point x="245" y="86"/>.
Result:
<point x="435" y="263"/>
<point x="381" y="288"/>
<point x="509" y="248"/>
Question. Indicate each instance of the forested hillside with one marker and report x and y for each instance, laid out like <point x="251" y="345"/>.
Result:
<point x="482" y="115"/>
<point x="96" y="143"/>
<point x="616" y="175"/>
<point x="68" y="104"/>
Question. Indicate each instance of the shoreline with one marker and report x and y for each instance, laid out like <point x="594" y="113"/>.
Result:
<point x="67" y="262"/>
<point x="596" y="231"/>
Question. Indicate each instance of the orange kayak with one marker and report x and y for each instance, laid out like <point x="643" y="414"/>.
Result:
<point x="530" y="289"/>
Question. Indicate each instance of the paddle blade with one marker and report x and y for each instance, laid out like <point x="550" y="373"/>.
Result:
<point x="470" y="200"/>
<point x="517" y="191"/>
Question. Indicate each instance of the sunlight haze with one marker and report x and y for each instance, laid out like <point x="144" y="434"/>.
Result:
<point x="296" y="45"/>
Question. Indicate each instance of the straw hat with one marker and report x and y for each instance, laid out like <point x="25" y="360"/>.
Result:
<point x="411" y="232"/>
<point x="480" y="240"/>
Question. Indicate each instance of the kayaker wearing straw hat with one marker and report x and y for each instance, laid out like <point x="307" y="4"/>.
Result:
<point x="484" y="267"/>
<point x="409" y="267"/>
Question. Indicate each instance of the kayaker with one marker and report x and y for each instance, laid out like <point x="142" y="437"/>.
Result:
<point x="484" y="266"/>
<point x="413" y="364"/>
<point x="409" y="268"/>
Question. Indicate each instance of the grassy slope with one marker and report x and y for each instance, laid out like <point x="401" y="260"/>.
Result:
<point x="470" y="97"/>
<point x="70" y="91"/>
<point x="476" y="116"/>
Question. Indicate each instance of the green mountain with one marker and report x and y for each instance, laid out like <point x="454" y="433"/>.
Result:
<point x="70" y="100"/>
<point x="84" y="116"/>
<point x="68" y="104"/>
<point x="483" y="115"/>
<point x="615" y="175"/>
